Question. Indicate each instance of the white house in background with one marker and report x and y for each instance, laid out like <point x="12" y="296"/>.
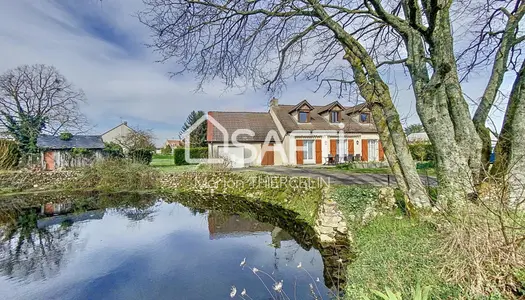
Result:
<point x="116" y="133"/>
<point x="418" y="137"/>
<point x="308" y="134"/>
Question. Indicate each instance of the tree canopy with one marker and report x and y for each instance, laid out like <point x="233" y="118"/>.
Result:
<point x="346" y="46"/>
<point x="37" y="99"/>
<point x="197" y="136"/>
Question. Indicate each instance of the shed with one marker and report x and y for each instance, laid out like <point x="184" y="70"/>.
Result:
<point x="77" y="151"/>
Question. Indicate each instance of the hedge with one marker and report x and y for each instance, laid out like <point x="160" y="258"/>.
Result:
<point x="142" y="156"/>
<point x="422" y="151"/>
<point x="9" y="154"/>
<point x="179" y="154"/>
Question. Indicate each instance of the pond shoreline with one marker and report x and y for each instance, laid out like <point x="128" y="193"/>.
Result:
<point x="308" y="199"/>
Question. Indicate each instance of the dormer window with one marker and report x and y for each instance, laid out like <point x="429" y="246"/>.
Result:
<point x="365" y="118"/>
<point x="303" y="117"/>
<point x="335" y="116"/>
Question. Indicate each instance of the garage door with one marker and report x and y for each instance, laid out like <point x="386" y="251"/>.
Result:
<point x="234" y="154"/>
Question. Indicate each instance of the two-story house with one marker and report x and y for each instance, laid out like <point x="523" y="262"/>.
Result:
<point x="299" y="134"/>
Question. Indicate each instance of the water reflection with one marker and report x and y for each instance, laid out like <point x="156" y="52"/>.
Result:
<point x="94" y="249"/>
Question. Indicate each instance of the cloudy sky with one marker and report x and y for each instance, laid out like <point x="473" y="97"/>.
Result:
<point x="99" y="46"/>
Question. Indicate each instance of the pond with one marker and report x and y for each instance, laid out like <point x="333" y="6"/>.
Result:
<point x="152" y="247"/>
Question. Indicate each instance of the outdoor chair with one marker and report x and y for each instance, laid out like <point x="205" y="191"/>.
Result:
<point x="350" y="157"/>
<point x="336" y="160"/>
<point x="357" y="157"/>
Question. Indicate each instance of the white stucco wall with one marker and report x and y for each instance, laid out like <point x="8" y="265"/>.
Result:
<point x="116" y="133"/>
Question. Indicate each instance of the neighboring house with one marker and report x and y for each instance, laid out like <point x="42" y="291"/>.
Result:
<point x="57" y="153"/>
<point x="309" y="134"/>
<point x="174" y="143"/>
<point x="117" y="133"/>
<point x="418" y="137"/>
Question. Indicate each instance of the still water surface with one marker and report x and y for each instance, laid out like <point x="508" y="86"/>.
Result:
<point x="164" y="251"/>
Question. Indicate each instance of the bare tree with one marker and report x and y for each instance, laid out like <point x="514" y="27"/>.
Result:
<point x="137" y="139"/>
<point x="38" y="99"/>
<point x="266" y="43"/>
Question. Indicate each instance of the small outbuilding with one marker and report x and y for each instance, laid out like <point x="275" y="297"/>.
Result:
<point x="75" y="151"/>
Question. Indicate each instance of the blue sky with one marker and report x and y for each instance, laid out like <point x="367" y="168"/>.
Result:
<point x="99" y="46"/>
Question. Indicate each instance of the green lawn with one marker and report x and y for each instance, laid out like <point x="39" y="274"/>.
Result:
<point x="391" y="251"/>
<point x="398" y="253"/>
<point x="165" y="163"/>
<point x="342" y="169"/>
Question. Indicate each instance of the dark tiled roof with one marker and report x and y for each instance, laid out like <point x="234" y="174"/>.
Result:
<point x="259" y="122"/>
<point x="76" y="141"/>
<point x="329" y="106"/>
<point x="317" y="122"/>
<point x="301" y="104"/>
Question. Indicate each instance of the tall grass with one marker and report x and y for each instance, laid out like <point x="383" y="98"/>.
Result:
<point x="484" y="249"/>
<point x="118" y="175"/>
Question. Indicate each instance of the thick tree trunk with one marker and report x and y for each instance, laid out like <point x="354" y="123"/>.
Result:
<point x="444" y="113"/>
<point x="375" y="92"/>
<point x="499" y="68"/>
<point x="386" y="118"/>
<point x="510" y="150"/>
<point x="402" y="166"/>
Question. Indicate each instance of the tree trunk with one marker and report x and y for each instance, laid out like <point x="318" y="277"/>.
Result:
<point x="499" y="68"/>
<point x="444" y="112"/>
<point x="375" y="92"/>
<point x="510" y="150"/>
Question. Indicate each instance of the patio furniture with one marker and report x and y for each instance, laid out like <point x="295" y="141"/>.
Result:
<point x="336" y="160"/>
<point x="329" y="159"/>
<point x="357" y="157"/>
<point x="345" y="158"/>
<point x="350" y="157"/>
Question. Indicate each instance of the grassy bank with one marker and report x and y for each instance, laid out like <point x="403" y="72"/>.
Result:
<point x="301" y="195"/>
<point x="395" y="252"/>
<point x="391" y="250"/>
<point x="472" y="252"/>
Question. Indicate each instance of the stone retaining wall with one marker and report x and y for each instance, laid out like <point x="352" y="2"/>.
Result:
<point x="23" y="180"/>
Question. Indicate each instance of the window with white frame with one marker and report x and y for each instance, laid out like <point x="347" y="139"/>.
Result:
<point x="342" y="148"/>
<point x="373" y="150"/>
<point x="308" y="150"/>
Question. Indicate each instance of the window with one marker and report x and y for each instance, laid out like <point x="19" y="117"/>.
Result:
<point x="308" y="150"/>
<point x="365" y="118"/>
<point x="335" y="116"/>
<point x="373" y="150"/>
<point x="341" y="147"/>
<point x="304" y="117"/>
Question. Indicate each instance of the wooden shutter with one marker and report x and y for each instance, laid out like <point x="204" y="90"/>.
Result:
<point x="350" y="146"/>
<point x="299" y="154"/>
<point x="381" y="152"/>
<point x="268" y="156"/>
<point x="318" y="152"/>
<point x="333" y="147"/>
<point x="364" y="150"/>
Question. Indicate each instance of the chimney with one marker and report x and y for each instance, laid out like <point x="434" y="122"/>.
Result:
<point x="274" y="102"/>
<point x="125" y="123"/>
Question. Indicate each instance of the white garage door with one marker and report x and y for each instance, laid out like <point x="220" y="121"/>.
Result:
<point x="234" y="154"/>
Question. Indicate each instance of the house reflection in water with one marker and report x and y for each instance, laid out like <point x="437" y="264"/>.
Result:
<point x="221" y="225"/>
<point x="62" y="213"/>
